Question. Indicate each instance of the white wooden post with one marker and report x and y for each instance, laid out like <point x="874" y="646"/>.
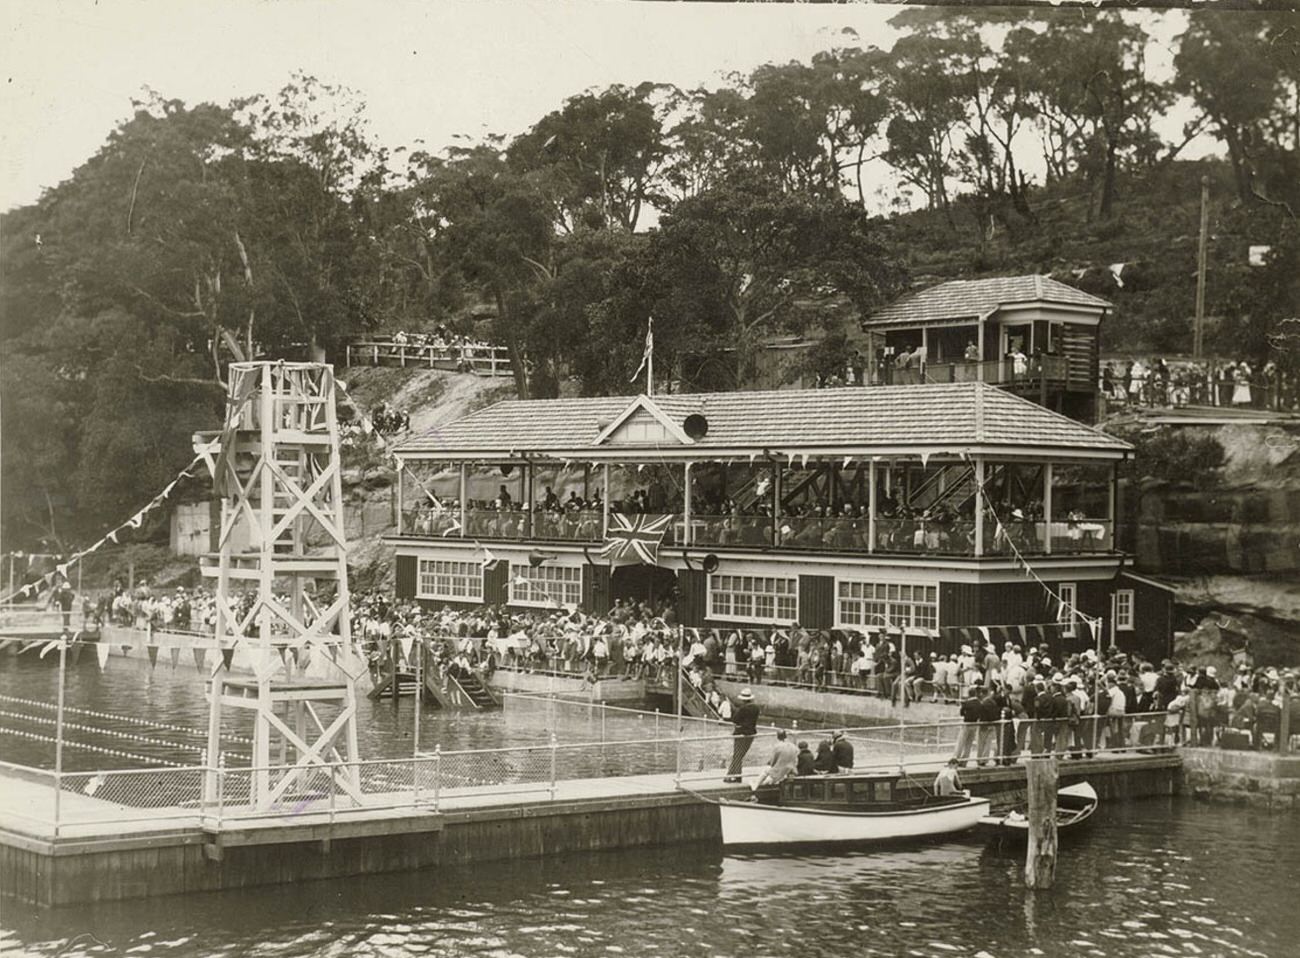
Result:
<point x="605" y="503"/>
<point x="1112" y="506"/>
<point x="464" y="511"/>
<point x="401" y="498"/>
<point x="1047" y="508"/>
<point x="979" y="506"/>
<point x="687" y="535"/>
<point x="871" y="505"/>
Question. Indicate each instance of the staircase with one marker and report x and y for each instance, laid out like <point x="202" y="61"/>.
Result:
<point x="957" y="488"/>
<point x="793" y="482"/>
<point x="473" y="694"/>
<point x="693" y="701"/>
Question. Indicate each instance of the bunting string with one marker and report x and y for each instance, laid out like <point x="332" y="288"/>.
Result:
<point x="135" y="522"/>
<point x="1066" y="609"/>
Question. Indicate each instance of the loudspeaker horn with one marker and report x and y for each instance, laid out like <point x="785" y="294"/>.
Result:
<point x="710" y="564"/>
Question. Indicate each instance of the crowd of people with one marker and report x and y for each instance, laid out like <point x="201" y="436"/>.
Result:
<point x="1159" y="382"/>
<point x="634" y="640"/>
<point x="1012" y="701"/>
<point x="442" y="337"/>
<point x="1024" y="704"/>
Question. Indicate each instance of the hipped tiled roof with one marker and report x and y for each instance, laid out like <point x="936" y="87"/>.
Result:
<point x="972" y="298"/>
<point x="873" y="418"/>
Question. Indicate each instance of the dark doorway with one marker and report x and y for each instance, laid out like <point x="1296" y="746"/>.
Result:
<point x="642" y="583"/>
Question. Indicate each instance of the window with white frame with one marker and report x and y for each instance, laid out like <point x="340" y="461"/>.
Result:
<point x="454" y="581"/>
<point x="754" y="598"/>
<point x="1068" y="613"/>
<point x="1124" y="612"/>
<point x="901" y="605"/>
<point x="545" y="586"/>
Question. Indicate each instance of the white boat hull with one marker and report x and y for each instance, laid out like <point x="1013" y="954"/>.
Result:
<point x="746" y="823"/>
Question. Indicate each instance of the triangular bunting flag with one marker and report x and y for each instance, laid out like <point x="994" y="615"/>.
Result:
<point x="406" y="640"/>
<point x="227" y="656"/>
<point x="49" y="647"/>
<point x="152" y="650"/>
<point x="175" y="652"/>
<point x="199" y="656"/>
<point x="75" y="652"/>
<point x="101" y="650"/>
<point x="112" y="536"/>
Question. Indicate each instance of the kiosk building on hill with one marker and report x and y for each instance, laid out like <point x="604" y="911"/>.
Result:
<point x="1032" y="335"/>
<point x="923" y="508"/>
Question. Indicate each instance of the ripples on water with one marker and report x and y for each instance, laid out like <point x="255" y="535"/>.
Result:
<point x="1149" y="878"/>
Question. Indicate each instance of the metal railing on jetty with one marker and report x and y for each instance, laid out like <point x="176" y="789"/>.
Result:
<point x="219" y="798"/>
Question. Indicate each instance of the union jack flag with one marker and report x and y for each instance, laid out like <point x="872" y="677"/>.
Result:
<point x="635" y="538"/>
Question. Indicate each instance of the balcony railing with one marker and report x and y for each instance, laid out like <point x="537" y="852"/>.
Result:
<point x="1030" y="536"/>
<point x="1055" y="369"/>
<point x="839" y="534"/>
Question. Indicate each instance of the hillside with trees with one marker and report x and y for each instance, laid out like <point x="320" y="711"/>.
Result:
<point x="994" y="141"/>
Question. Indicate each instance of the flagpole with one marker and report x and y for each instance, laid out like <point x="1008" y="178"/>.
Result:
<point x="650" y="361"/>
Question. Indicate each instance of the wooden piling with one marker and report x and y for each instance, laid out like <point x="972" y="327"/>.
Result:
<point x="1040" y="860"/>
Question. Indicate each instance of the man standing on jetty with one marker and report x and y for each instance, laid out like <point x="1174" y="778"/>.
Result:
<point x="745" y="718"/>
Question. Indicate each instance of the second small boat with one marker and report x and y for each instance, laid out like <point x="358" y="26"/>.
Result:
<point x="1074" y="806"/>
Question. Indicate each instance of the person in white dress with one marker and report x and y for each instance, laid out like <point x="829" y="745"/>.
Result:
<point x="1241" y="389"/>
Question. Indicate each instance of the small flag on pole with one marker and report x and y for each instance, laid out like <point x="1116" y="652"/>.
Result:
<point x="647" y="356"/>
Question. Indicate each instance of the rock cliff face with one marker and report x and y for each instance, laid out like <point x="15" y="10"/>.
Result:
<point x="431" y="398"/>
<point x="1231" y="545"/>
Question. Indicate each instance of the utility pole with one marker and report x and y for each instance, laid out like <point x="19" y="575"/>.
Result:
<point x="1198" y="329"/>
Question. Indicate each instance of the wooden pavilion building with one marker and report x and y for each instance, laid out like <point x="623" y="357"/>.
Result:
<point x="916" y="508"/>
<point x="971" y="330"/>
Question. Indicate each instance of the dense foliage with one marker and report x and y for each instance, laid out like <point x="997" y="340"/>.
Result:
<point x="276" y="226"/>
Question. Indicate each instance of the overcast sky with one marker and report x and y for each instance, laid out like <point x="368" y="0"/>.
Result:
<point x="427" y="70"/>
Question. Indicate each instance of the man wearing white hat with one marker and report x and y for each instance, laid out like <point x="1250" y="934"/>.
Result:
<point x="745" y="718"/>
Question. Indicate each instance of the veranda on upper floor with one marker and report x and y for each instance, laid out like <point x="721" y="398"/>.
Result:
<point x="944" y="470"/>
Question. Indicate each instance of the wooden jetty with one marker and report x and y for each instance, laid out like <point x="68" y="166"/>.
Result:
<point x="101" y="850"/>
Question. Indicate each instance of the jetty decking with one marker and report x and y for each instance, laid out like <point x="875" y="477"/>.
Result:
<point x="106" y="850"/>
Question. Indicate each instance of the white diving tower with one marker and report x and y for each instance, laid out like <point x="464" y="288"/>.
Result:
<point x="282" y="587"/>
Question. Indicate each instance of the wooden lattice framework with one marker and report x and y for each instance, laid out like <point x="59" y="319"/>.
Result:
<point x="282" y="585"/>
